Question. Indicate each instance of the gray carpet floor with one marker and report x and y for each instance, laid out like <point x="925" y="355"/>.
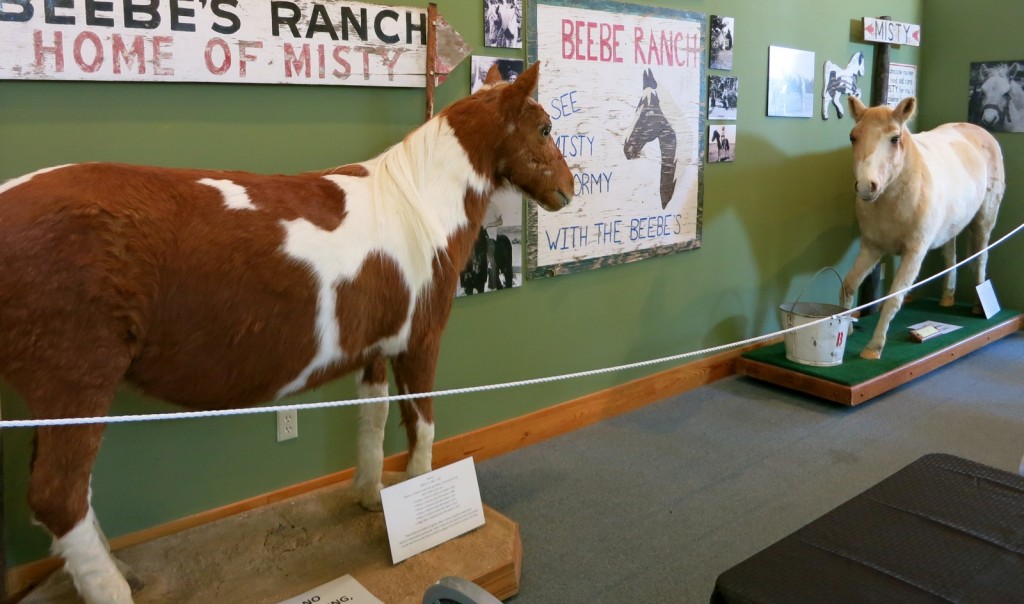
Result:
<point x="653" y="505"/>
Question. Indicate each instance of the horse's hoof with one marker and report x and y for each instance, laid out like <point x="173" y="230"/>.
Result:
<point x="369" y="497"/>
<point x="134" y="582"/>
<point x="870" y="354"/>
<point x="946" y="300"/>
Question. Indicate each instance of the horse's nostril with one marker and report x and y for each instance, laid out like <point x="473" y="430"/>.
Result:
<point x="874" y="186"/>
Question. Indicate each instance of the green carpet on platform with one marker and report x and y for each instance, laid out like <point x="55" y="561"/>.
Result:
<point x="900" y="348"/>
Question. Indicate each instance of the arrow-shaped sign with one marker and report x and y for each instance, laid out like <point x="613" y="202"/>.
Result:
<point x="324" y="42"/>
<point x="891" y="32"/>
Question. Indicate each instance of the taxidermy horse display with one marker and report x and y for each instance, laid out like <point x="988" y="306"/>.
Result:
<point x="917" y="193"/>
<point x="650" y="122"/>
<point x="215" y="289"/>
<point x="1002" y="98"/>
<point x="839" y="81"/>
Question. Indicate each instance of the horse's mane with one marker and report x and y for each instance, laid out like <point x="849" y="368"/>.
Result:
<point x="399" y="180"/>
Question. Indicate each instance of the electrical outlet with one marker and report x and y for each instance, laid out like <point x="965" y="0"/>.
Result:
<point x="287" y="425"/>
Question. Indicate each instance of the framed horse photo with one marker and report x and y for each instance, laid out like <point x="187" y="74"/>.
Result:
<point x="625" y="86"/>
<point x="996" y="96"/>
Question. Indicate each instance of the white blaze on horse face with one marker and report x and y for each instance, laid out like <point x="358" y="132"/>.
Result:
<point x="406" y="208"/>
<point x="93" y="571"/>
<point x="10" y="184"/>
<point x="235" y="195"/>
<point x="876" y="162"/>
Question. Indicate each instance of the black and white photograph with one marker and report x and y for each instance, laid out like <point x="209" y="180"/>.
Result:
<point x="503" y="23"/>
<point x="790" y="82"/>
<point x="996" y="96"/>
<point x="722" y="32"/>
<point x="509" y="69"/>
<point x="721" y="143"/>
<point x="723" y="96"/>
<point x="497" y="259"/>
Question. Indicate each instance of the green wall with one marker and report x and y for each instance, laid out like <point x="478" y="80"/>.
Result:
<point x="771" y="219"/>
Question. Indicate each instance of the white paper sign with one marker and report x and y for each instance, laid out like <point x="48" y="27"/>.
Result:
<point x="902" y="83"/>
<point x="426" y="511"/>
<point x="341" y="590"/>
<point x="987" y="295"/>
<point x="891" y="32"/>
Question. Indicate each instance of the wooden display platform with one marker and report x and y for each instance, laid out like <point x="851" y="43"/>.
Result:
<point x="279" y="551"/>
<point x="816" y="381"/>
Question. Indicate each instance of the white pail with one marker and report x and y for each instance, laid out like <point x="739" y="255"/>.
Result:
<point x="822" y="344"/>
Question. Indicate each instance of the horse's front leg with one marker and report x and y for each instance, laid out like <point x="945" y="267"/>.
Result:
<point x="910" y="264"/>
<point x="949" y="283"/>
<point x="866" y="260"/>
<point x="414" y="372"/>
<point x="59" y="496"/>
<point x="373" y="383"/>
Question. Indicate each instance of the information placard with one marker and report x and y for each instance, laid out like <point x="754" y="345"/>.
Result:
<point x="425" y="511"/>
<point x="341" y="590"/>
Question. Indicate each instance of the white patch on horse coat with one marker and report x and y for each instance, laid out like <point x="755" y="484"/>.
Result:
<point x="372" y="420"/>
<point x="406" y="209"/>
<point x="88" y="561"/>
<point x="420" y="459"/>
<point x="10" y="184"/>
<point x="235" y="195"/>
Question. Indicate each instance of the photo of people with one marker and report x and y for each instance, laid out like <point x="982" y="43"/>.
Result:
<point x="721" y="143"/>
<point x="723" y="96"/>
<point x="503" y="23"/>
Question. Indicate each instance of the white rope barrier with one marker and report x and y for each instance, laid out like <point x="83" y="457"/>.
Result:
<point x="122" y="419"/>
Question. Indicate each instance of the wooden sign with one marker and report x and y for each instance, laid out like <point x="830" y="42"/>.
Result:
<point x="328" y="42"/>
<point x="626" y="90"/>
<point x="891" y="32"/>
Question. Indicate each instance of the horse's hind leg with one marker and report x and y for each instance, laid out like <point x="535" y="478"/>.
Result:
<point x="949" y="283"/>
<point x="372" y="418"/>
<point x="415" y="373"/>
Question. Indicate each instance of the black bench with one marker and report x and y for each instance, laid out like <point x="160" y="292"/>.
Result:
<point x="942" y="529"/>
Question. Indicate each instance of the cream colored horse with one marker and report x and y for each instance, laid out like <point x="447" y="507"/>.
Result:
<point x="917" y="193"/>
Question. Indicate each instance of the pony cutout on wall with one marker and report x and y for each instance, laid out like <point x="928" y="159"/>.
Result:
<point x="838" y="82"/>
<point x="997" y="96"/>
<point x="654" y="120"/>
<point x="217" y="289"/>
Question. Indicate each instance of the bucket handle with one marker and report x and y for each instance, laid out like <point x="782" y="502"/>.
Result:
<point x="821" y="270"/>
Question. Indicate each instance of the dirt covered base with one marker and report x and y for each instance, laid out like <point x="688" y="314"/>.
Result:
<point x="279" y="551"/>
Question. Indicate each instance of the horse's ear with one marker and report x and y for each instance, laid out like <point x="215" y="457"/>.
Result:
<point x="1016" y="71"/>
<point x="493" y="75"/>
<point x="905" y="110"/>
<point x="527" y="83"/>
<point x="857" y="108"/>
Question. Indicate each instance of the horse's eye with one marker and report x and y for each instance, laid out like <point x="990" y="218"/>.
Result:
<point x="545" y="131"/>
<point x="853" y="138"/>
<point x="895" y="140"/>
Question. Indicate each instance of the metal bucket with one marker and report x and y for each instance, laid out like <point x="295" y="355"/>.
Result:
<point x="823" y="344"/>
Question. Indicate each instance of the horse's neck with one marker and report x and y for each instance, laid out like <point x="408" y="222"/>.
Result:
<point x="431" y="187"/>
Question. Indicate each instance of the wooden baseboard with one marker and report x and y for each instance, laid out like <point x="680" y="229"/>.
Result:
<point x="481" y="444"/>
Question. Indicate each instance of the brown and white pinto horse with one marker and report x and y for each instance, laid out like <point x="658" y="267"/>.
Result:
<point x="223" y="289"/>
<point x="917" y="193"/>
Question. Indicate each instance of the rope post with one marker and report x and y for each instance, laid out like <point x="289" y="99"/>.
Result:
<point x="431" y="73"/>
<point x="871" y="288"/>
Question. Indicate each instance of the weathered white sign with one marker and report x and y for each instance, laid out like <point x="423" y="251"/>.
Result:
<point x="891" y="32"/>
<point x="327" y="42"/>
<point x="902" y="83"/>
<point x="625" y="88"/>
